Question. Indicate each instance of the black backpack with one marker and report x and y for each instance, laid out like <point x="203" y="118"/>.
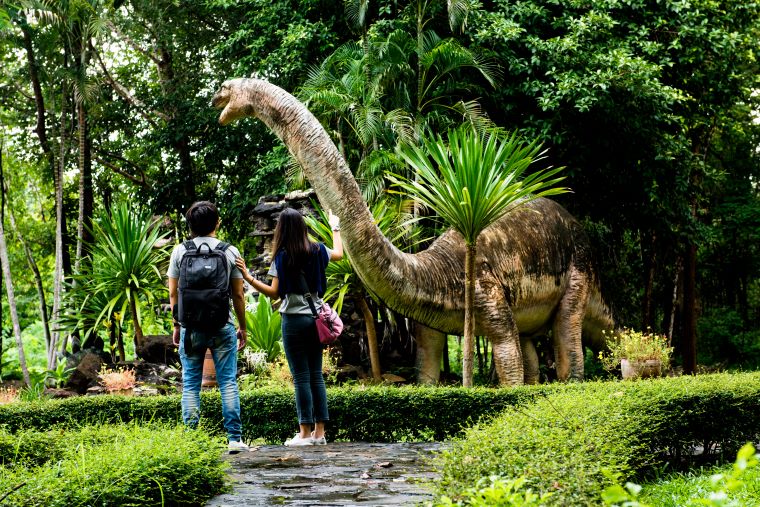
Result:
<point x="204" y="287"/>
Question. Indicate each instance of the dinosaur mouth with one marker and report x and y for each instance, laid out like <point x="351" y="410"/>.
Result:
<point x="220" y="99"/>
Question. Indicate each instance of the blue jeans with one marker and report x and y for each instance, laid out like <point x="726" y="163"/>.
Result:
<point x="304" y="354"/>
<point x="223" y="345"/>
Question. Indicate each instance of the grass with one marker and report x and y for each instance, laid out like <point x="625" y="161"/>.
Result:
<point x="681" y="490"/>
<point x="122" y="464"/>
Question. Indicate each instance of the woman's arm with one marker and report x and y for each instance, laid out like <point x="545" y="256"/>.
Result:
<point x="271" y="291"/>
<point x="337" y="249"/>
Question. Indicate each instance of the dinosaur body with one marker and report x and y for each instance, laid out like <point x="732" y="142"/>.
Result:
<point x="533" y="268"/>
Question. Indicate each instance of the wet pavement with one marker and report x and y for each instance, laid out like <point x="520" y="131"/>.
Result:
<point x="340" y="473"/>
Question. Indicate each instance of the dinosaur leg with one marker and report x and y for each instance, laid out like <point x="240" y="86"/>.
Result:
<point x="494" y="317"/>
<point x="530" y="360"/>
<point x="429" y="353"/>
<point x="568" y="323"/>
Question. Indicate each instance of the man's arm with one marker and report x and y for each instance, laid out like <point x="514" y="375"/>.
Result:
<point x="238" y="303"/>
<point x="173" y="282"/>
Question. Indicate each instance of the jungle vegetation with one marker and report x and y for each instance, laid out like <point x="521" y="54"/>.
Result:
<point x="651" y="108"/>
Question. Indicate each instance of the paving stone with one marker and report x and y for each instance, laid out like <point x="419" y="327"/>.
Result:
<point x="338" y="474"/>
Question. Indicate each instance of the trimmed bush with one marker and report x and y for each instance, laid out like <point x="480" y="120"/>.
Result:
<point x="375" y="414"/>
<point x="575" y="442"/>
<point x="114" y="465"/>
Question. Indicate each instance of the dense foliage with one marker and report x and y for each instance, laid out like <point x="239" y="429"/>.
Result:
<point x="374" y="414"/>
<point x="651" y="106"/>
<point x="577" y="441"/>
<point x="123" y="464"/>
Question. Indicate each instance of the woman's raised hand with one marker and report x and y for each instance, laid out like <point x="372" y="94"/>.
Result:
<point x="240" y="263"/>
<point x="333" y="220"/>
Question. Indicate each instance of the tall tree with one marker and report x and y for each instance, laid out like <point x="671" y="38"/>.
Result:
<point x="6" y="266"/>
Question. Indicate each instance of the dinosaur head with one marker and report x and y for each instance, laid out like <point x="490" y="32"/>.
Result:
<point x="232" y="99"/>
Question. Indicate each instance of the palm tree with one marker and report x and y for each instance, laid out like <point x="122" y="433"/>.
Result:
<point x="470" y="182"/>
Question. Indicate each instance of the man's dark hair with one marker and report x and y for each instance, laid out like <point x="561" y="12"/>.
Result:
<point x="202" y="218"/>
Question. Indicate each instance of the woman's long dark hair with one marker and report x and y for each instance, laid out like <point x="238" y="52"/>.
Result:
<point x="291" y="235"/>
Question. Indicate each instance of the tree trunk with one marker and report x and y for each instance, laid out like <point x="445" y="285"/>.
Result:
<point x="84" y="222"/>
<point x="120" y="342"/>
<point x="369" y="322"/>
<point x="136" y="324"/>
<point x="9" y="284"/>
<point x="689" y="326"/>
<point x="59" y="225"/>
<point x="648" y="261"/>
<point x="469" y="320"/>
<point x="446" y="363"/>
<point x="37" y="280"/>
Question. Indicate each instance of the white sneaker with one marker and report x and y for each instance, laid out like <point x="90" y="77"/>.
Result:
<point x="235" y="447"/>
<point x="297" y="441"/>
<point x="318" y="441"/>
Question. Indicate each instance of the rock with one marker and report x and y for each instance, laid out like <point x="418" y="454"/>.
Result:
<point x="60" y="393"/>
<point x="266" y="208"/>
<point x="158" y="349"/>
<point x="96" y="390"/>
<point x="390" y="377"/>
<point x="155" y="374"/>
<point x="86" y="372"/>
<point x="144" y="391"/>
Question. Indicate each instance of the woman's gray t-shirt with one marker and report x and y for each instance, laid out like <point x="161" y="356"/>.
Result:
<point x="296" y="304"/>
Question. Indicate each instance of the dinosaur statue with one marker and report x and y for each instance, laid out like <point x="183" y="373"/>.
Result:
<point x="533" y="266"/>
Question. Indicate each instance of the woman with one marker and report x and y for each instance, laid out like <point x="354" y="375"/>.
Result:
<point x="298" y="260"/>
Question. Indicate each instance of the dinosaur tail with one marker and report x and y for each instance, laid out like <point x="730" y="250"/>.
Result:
<point x="598" y="319"/>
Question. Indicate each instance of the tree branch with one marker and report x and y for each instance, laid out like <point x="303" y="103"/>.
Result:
<point x="134" y="179"/>
<point x="147" y="54"/>
<point x="124" y="93"/>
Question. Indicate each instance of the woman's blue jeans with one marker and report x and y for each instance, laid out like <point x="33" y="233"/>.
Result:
<point x="304" y="354"/>
<point x="223" y="345"/>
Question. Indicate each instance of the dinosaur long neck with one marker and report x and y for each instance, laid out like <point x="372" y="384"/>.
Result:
<point x="378" y="263"/>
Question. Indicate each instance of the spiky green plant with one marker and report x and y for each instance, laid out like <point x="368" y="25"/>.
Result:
<point x="124" y="271"/>
<point x="264" y="328"/>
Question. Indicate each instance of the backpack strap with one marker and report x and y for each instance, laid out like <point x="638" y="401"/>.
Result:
<point x="222" y="246"/>
<point x="190" y="245"/>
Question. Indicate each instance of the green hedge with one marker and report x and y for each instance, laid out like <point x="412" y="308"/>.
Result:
<point x="569" y="442"/>
<point x="375" y="414"/>
<point x="126" y="464"/>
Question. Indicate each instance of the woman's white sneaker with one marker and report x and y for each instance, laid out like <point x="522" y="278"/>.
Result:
<point x="297" y="441"/>
<point x="318" y="441"/>
<point x="235" y="447"/>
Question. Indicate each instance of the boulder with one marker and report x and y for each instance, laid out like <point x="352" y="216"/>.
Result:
<point x="86" y="372"/>
<point x="158" y="349"/>
<point x="155" y="374"/>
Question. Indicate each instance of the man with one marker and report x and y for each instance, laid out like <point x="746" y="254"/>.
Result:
<point x="224" y="341"/>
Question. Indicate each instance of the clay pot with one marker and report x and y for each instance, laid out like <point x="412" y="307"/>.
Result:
<point x="209" y="371"/>
<point x="647" y="368"/>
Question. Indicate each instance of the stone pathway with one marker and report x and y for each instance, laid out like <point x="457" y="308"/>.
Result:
<point x="340" y="473"/>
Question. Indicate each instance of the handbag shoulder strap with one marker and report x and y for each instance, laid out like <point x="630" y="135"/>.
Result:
<point x="307" y="295"/>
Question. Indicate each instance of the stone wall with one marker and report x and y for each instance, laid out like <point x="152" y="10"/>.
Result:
<point x="351" y="347"/>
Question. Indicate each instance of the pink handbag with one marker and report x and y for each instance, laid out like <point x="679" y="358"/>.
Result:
<point x="329" y="325"/>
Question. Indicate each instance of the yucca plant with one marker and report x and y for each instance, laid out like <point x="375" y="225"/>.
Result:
<point x="124" y="272"/>
<point x="470" y="182"/>
<point x="264" y="328"/>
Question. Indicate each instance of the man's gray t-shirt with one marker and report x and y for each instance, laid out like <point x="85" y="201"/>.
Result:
<point x="232" y="253"/>
<point x="296" y="304"/>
